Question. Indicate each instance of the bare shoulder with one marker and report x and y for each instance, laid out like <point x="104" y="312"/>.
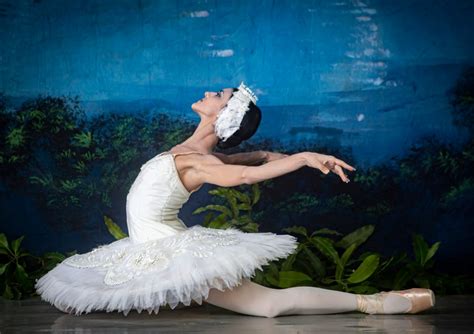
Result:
<point x="193" y="160"/>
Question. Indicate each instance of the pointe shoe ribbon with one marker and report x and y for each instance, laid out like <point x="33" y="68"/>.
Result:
<point x="420" y="299"/>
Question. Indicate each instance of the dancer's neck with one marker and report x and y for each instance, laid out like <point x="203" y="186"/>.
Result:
<point x="203" y="139"/>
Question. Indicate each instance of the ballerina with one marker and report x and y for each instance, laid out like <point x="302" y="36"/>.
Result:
<point x="165" y="262"/>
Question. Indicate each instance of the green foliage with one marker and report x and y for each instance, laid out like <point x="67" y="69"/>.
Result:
<point x="369" y="178"/>
<point x="12" y="269"/>
<point x="318" y="262"/>
<point x="300" y="203"/>
<point x="417" y="270"/>
<point x="237" y="211"/>
<point x="19" y="269"/>
<point x="457" y="192"/>
<point x="68" y="164"/>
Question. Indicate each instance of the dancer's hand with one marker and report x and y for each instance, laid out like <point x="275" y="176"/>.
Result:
<point x="270" y="156"/>
<point x="327" y="163"/>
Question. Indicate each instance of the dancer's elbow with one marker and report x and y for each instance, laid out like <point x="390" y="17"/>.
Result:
<point x="248" y="176"/>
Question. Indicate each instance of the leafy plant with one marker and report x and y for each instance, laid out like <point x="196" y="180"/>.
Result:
<point x="317" y="262"/>
<point x="19" y="269"/>
<point x="12" y="269"/>
<point x="237" y="212"/>
<point x="416" y="270"/>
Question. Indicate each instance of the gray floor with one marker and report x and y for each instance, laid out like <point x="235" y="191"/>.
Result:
<point x="452" y="314"/>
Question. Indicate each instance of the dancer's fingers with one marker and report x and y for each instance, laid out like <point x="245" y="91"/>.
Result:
<point x="345" y="165"/>
<point x="341" y="173"/>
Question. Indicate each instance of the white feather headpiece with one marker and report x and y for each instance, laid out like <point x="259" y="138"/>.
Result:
<point x="229" y="118"/>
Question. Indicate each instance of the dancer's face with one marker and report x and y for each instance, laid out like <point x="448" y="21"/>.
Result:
<point x="212" y="102"/>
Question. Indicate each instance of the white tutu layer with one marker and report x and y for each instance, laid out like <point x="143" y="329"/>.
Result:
<point x="122" y="275"/>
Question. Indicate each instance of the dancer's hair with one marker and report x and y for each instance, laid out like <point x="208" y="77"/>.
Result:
<point x="247" y="129"/>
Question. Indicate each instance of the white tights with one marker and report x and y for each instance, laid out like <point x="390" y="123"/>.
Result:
<point x="253" y="299"/>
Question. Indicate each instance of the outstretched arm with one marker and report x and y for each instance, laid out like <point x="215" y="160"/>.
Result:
<point x="212" y="170"/>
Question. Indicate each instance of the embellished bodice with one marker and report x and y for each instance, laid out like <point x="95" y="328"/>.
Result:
<point x="154" y="200"/>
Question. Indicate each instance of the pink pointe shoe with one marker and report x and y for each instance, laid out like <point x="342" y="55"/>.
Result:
<point x="421" y="299"/>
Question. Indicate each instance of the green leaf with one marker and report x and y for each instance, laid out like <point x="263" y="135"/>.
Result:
<point x="214" y="207"/>
<point x="233" y="205"/>
<point x="4" y="242"/>
<point x="292" y="278"/>
<point x="21" y="275"/>
<point x="272" y="280"/>
<point x="358" y="237"/>
<point x="16" y="137"/>
<point x="420" y="248"/>
<point x="272" y="274"/>
<point x="222" y="218"/>
<point x="255" y="193"/>
<point x="219" y="224"/>
<point x="251" y="227"/>
<point x="296" y="230"/>
<point x="325" y="231"/>
<point x="315" y="261"/>
<point x="287" y="264"/>
<point x="83" y="139"/>
<point x="345" y="256"/>
<point x="114" y="229"/>
<point x="365" y="270"/>
<point x="219" y="191"/>
<point x="4" y="251"/>
<point x="3" y="268"/>
<point x="325" y="247"/>
<point x="53" y="257"/>
<point x="16" y="244"/>
<point x="431" y="252"/>
<point x="241" y="196"/>
<point x="244" y="207"/>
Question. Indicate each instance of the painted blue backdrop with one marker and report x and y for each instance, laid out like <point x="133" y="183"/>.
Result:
<point x="377" y="71"/>
<point x="372" y="76"/>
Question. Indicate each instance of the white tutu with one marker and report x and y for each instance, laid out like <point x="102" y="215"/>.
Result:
<point x="162" y="261"/>
<point x="121" y="276"/>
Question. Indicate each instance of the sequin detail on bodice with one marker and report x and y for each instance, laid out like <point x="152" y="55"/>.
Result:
<point x="154" y="200"/>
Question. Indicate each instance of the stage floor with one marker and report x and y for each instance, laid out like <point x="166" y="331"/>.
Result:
<point x="452" y="314"/>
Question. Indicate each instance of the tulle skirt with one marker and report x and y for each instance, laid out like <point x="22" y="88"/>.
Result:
<point x="123" y="275"/>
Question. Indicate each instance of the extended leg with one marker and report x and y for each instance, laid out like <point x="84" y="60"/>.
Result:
<point x="254" y="299"/>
